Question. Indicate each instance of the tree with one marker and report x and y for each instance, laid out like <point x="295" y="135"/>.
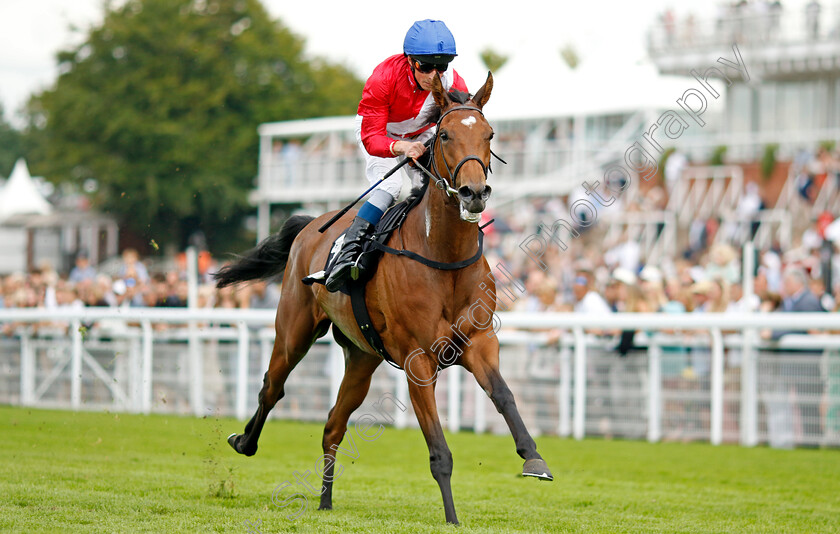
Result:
<point x="493" y="60"/>
<point x="11" y="146"/>
<point x="570" y="56"/>
<point x="161" y="105"/>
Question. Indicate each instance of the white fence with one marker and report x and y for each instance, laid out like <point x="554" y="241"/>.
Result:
<point x="709" y="378"/>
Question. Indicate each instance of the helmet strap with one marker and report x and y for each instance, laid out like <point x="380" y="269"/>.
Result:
<point x="411" y="66"/>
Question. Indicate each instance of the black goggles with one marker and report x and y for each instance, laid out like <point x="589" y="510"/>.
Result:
<point x="426" y="68"/>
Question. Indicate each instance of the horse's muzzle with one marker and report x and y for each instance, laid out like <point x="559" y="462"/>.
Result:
<point x="473" y="199"/>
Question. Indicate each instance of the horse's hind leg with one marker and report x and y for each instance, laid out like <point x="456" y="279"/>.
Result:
<point x="292" y="342"/>
<point x="422" y="393"/>
<point x="482" y="360"/>
<point x="354" y="387"/>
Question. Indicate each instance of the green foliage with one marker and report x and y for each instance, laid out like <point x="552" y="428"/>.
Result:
<point x="717" y="155"/>
<point x="570" y="56"/>
<point x="11" y="146"/>
<point x="768" y="160"/>
<point x="161" y="105"/>
<point x="493" y="60"/>
<point x="828" y="145"/>
<point x="662" y="161"/>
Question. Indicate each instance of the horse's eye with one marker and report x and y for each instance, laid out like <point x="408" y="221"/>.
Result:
<point x="444" y="136"/>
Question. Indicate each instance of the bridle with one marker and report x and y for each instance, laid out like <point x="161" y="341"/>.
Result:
<point x="441" y="182"/>
<point x="357" y="291"/>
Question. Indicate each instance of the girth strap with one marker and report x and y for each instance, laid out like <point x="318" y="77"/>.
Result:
<point x="360" y="311"/>
<point x="356" y="289"/>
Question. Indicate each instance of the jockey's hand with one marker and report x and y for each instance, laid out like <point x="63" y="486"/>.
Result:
<point x="410" y="149"/>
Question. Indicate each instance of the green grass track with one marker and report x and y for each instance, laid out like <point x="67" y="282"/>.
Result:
<point x="64" y="471"/>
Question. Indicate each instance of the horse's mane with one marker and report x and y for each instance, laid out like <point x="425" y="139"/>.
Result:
<point x="418" y="191"/>
<point x="459" y="97"/>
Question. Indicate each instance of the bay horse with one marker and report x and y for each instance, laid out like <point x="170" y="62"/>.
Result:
<point x="411" y="305"/>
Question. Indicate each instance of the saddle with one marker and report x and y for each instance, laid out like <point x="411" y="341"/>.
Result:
<point x="372" y="251"/>
<point x="374" y="246"/>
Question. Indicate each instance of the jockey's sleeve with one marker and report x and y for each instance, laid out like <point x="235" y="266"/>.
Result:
<point x="373" y="109"/>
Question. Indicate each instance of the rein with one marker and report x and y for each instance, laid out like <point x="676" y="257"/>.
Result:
<point x="443" y="185"/>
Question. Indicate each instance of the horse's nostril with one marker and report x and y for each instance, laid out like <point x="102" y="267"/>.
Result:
<point x="485" y="194"/>
<point x="465" y="192"/>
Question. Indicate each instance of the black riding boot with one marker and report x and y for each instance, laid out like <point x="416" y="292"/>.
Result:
<point x="345" y="264"/>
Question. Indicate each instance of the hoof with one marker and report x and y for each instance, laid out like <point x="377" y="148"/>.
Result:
<point x="233" y="441"/>
<point x="325" y="507"/>
<point x="536" y="467"/>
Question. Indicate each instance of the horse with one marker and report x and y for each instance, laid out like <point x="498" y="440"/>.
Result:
<point x="414" y="307"/>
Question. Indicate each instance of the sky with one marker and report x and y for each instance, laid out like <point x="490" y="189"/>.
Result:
<point x="609" y="35"/>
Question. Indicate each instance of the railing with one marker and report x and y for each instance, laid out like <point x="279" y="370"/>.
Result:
<point x="765" y="228"/>
<point x="538" y="163"/>
<point x="581" y="160"/>
<point x="713" y="379"/>
<point x="773" y="27"/>
<point x="555" y="169"/>
<point x="313" y="177"/>
<point x="656" y="232"/>
<point x="705" y="191"/>
<point x="789" y="197"/>
<point x="750" y="145"/>
<point x="828" y="196"/>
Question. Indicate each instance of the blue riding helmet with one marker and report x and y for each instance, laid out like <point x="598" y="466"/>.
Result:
<point x="430" y="40"/>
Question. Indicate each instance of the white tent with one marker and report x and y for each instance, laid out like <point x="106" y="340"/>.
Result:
<point x="21" y="195"/>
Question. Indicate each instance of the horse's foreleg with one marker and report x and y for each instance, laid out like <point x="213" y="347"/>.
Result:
<point x="482" y="360"/>
<point x="425" y="407"/>
<point x="354" y="387"/>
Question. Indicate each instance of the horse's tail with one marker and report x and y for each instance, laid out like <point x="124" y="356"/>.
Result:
<point x="266" y="260"/>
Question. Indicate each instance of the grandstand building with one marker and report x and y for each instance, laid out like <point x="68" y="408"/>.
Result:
<point x="792" y="97"/>
<point x="745" y="86"/>
<point x="785" y="109"/>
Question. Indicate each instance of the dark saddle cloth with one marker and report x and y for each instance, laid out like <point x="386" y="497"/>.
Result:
<point x="390" y="222"/>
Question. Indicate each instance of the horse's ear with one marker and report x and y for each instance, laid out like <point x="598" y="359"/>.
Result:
<point x="483" y="94"/>
<point x="441" y="96"/>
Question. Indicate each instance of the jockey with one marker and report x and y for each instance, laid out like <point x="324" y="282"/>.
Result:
<point x="396" y="117"/>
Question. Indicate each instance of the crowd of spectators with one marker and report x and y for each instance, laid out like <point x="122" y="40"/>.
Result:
<point x="132" y="285"/>
<point x="581" y="279"/>
<point x="812" y="171"/>
<point x="590" y="275"/>
<point x="595" y="273"/>
<point x="585" y="278"/>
